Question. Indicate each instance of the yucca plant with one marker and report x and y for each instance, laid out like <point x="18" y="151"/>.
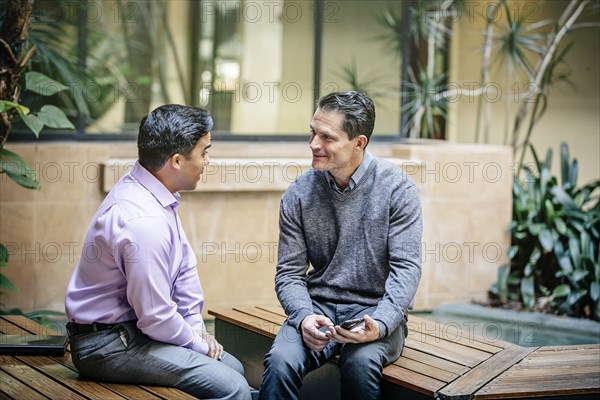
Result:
<point x="555" y="241"/>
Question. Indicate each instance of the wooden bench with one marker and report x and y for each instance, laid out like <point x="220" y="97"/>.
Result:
<point x="438" y="361"/>
<point x="40" y="377"/>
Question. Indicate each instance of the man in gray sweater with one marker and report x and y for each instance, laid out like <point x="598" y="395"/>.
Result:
<point x="349" y="247"/>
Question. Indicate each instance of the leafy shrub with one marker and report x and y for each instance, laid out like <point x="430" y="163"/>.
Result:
<point x="555" y="242"/>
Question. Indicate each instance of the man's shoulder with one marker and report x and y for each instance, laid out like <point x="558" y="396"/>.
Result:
<point x="129" y="198"/>
<point x="388" y="173"/>
<point x="302" y="183"/>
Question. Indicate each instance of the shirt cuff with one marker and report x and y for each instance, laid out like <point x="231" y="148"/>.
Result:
<point x="199" y="345"/>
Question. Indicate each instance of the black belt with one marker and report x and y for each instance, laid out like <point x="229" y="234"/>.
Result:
<point x="75" y="328"/>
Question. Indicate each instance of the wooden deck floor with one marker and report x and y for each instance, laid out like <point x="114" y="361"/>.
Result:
<point x="441" y="362"/>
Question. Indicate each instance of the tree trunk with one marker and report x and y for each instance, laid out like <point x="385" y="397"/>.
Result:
<point x="13" y="58"/>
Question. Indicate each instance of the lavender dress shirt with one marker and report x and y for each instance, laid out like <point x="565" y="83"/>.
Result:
<point x="137" y="263"/>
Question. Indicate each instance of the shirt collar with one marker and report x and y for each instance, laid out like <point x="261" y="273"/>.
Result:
<point x="154" y="186"/>
<point x="356" y="176"/>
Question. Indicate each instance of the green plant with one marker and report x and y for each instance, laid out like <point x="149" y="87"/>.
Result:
<point x="15" y="56"/>
<point x="555" y="241"/>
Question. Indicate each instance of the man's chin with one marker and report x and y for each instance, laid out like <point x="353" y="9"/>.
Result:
<point x="321" y="165"/>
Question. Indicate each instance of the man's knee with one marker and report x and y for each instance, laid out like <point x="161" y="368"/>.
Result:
<point x="237" y="388"/>
<point x="361" y="363"/>
<point x="283" y="359"/>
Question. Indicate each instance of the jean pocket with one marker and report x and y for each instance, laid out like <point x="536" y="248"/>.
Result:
<point x="124" y="336"/>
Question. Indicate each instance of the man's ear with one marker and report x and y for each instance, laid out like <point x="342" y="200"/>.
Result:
<point x="175" y="161"/>
<point x="361" y="143"/>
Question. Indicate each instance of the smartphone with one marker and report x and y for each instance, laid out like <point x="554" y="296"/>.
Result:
<point x="353" y="324"/>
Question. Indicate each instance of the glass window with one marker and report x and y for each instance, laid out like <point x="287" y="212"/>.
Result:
<point x="256" y="65"/>
<point x="255" y="62"/>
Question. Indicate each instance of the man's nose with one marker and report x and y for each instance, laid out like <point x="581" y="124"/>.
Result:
<point x="314" y="142"/>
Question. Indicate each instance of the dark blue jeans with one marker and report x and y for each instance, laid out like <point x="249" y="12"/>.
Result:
<point x="126" y="355"/>
<point x="361" y="365"/>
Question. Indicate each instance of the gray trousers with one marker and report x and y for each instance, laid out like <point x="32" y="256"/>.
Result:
<point x="124" y="354"/>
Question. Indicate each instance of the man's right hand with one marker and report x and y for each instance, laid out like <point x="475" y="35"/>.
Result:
<point x="312" y="336"/>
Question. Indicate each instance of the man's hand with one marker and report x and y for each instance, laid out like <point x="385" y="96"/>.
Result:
<point x="312" y="336"/>
<point x="215" y="350"/>
<point x="369" y="333"/>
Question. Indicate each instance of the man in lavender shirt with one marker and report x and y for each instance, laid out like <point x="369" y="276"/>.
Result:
<point x="134" y="301"/>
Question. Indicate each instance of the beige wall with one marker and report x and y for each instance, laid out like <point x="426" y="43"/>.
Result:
<point x="465" y="193"/>
<point x="572" y="115"/>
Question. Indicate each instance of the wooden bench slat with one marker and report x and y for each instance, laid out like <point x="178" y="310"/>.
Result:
<point x="465" y="355"/>
<point x="68" y="377"/>
<point x="412" y="380"/>
<point x="266" y="315"/>
<point x="574" y="347"/>
<point x="168" y="393"/>
<point x="473" y="380"/>
<point x="63" y="370"/>
<point x="36" y="380"/>
<point x="14" y="388"/>
<point x="592" y="362"/>
<point x="19" y="324"/>
<point x="254" y="324"/>
<point x="428" y="359"/>
<point x="595" y="351"/>
<point x="466" y="338"/>
<point x="427" y="370"/>
<point x="528" y="389"/>
<point x="274" y="309"/>
<point x="560" y="358"/>
<point x="548" y="374"/>
<point x="443" y="353"/>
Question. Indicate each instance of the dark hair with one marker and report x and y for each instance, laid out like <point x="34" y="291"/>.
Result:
<point x="170" y="129"/>
<point x="358" y="110"/>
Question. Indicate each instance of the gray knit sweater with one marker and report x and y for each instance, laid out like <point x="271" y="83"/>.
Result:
<point x="363" y="246"/>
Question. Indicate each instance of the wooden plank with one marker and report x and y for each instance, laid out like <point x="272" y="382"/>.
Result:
<point x="254" y="324"/>
<point x="100" y="390"/>
<point x="443" y="353"/>
<point x="465" y="386"/>
<point x="464" y="355"/>
<point x="573" y="364"/>
<point x="274" y="309"/>
<point x="530" y="389"/>
<point x="132" y="392"/>
<point x="455" y="333"/>
<point x="68" y="377"/>
<point x="427" y="370"/>
<point x="559" y="358"/>
<point x="36" y="380"/>
<point x="428" y="359"/>
<point x="14" y="388"/>
<point x="571" y="347"/>
<point x="552" y="370"/>
<point x="544" y="352"/>
<point x="266" y="315"/>
<point x="412" y="380"/>
<point x="168" y="393"/>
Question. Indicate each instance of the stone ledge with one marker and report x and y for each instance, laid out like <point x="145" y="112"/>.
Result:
<point x="241" y="174"/>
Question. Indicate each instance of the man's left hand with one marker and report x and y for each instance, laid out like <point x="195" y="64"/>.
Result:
<point x="369" y="333"/>
<point x="215" y="349"/>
